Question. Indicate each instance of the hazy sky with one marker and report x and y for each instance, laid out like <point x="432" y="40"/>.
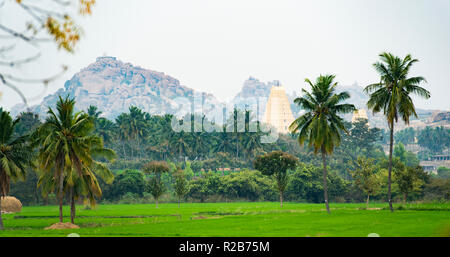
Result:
<point x="214" y="46"/>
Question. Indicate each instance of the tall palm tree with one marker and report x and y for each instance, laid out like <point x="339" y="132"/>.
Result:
<point x="321" y="124"/>
<point x="123" y="132"/>
<point x="392" y="96"/>
<point x="65" y="145"/>
<point x="137" y="126"/>
<point x="15" y="155"/>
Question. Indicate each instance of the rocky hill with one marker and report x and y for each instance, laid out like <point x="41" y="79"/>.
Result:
<point x="113" y="86"/>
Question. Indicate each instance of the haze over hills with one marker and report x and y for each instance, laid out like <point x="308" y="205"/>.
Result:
<point x="113" y="86"/>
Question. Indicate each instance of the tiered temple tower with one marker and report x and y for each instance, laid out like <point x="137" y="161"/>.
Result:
<point x="278" y="110"/>
<point x="359" y="114"/>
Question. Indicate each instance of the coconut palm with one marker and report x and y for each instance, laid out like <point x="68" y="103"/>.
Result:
<point x="223" y="141"/>
<point x="179" y="144"/>
<point x="67" y="147"/>
<point x="93" y="112"/>
<point x="321" y="124"/>
<point x="123" y="131"/>
<point x="105" y="129"/>
<point x="392" y="96"/>
<point x="15" y="155"/>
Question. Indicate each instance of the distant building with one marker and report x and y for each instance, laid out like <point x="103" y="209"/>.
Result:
<point x="278" y="110"/>
<point x="359" y="114"/>
<point x="434" y="162"/>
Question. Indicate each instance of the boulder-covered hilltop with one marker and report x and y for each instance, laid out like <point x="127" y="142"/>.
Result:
<point x="113" y="86"/>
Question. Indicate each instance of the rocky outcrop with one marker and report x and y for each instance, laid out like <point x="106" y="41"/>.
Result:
<point x="113" y="86"/>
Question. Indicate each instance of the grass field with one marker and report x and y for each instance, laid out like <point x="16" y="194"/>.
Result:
<point x="236" y="219"/>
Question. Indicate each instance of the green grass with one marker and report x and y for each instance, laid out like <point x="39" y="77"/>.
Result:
<point x="236" y="219"/>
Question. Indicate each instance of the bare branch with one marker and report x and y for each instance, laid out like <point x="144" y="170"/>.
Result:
<point x="22" y="61"/>
<point x="2" y="79"/>
<point x="31" y="13"/>
<point x="7" y="48"/>
<point x="15" y="33"/>
<point x="44" y="81"/>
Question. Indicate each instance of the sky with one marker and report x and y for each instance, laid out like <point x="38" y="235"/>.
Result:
<point x="214" y="46"/>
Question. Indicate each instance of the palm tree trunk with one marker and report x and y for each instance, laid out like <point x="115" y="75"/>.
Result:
<point x="72" y="206"/>
<point x="179" y="201"/>
<point x="325" y="189"/>
<point x="281" y="200"/>
<point x="367" y="203"/>
<point x="1" y="220"/>
<point x="391" y="143"/>
<point x="61" y="188"/>
<point x="405" y="197"/>
<point x="124" y="153"/>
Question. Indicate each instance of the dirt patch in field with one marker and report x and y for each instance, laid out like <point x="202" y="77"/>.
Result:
<point x="61" y="225"/>
<point x="219" y="213"/>
<point x="203" y="217"/>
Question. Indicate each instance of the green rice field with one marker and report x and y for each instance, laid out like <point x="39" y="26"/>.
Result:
<point x="238" y="219"/>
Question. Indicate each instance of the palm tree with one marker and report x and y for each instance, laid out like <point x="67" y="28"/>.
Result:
<point x="137" y="126"/>
<point x="392" y="96"/>
<point x="123" y="131"/>
<point x="222" y="141"/>
<point x="15" y="155"/>
<point x="93" y="112"/>
<point x="65" y="146"/>
<point x="321" y="125"/>
<point x="105" y="129"/>
<point x="179" y="144"/>
<point x="199" y="141"/>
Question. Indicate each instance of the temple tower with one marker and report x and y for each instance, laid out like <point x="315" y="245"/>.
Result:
<point x="278" y="110"/>
<point x="359" y="114"/>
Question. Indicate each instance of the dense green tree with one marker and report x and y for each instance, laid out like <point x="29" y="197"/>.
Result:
<point x="409" y="179"/>
<point x="443" y="172"/>
<point x="181" y="185"/>
<point x="406" y="157"/>
<point x="154" y="170"/>
<point x="198" y="189"/>
<point x="405" y="136"/>
<point x="321" y="124"/>
<point x="435" y="139"/>
<point x="306" y="184"/>
<point x="437" y="189"/>
<point x="28" y="122"/>
<point x="366" y="177"/>
<point x="392" y="96"/>
<point x="277" y="164"/>
<point x="128" y="181"/>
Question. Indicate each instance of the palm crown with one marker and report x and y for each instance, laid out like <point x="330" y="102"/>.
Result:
<point x="391" y="94"/>
<point x="321" y="123"/>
